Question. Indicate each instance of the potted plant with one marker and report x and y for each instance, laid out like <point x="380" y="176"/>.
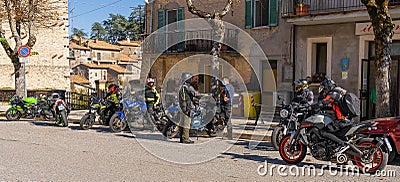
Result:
<point x="302" y="8"/>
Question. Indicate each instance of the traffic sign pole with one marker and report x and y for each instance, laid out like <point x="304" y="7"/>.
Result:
<point x="24" y="52"/>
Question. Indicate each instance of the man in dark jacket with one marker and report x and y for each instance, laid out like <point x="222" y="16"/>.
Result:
<point x="188" y="100"/>
<point x="226" y="104"/>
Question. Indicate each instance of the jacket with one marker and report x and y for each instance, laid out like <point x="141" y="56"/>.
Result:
<point x="152" y="96"/>
<point x="305" y="96"/>
<point x="188" y="98"/>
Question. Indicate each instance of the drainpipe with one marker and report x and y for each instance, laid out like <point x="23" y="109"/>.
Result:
<point x="293" y="37"/>
<point x="151" y="16"/>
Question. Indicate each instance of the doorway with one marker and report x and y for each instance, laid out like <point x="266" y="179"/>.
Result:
<point x="368" y="92"/>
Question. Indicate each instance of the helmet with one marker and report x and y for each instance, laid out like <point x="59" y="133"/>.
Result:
<point x="185" y="77"/>
<point x="300" y="85"/>
<point x="326" y="86"/>
<point x="150" y="82"/>
<point x="42" y="96"/>
<point x="112" y="88"/>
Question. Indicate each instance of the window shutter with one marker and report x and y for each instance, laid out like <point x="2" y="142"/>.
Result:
<point x="181" y="28"/>
<point x="161" y="41"/>
<point x="161" y="18"/>
<point x="273" y="13"/>
<point x="249" y="13"/>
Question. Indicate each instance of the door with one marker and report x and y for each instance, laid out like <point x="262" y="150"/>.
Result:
<point x="368" y="89"/>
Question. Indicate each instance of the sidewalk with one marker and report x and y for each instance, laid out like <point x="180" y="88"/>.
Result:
<point x="242" y="128"/>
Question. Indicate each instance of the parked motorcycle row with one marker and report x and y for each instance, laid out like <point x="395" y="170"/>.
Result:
<point x="40" y="106"/>
<point x="302" y="127"/>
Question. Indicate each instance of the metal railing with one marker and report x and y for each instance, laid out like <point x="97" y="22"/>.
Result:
<point x="197" y="41"/>
<point x="291" y="8"/>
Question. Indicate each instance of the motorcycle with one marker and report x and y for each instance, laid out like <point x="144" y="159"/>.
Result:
<point x="45" y="108"/>
<point x="290" y="117"/>
<point x="118" y="122"/>
<point x="22" y="107"/>
<point x="368" y="154"/>
<point x="61" y="112"/>
<point x="96" y="110"/>
<point x="200" y="118"/>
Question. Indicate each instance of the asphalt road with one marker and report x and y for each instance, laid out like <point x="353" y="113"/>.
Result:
<point x="40" y="151"/>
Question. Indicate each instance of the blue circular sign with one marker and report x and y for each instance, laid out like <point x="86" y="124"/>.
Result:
<point x="24" y="51"/>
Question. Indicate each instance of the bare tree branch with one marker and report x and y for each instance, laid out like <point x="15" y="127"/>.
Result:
<point x="195" y="11"/>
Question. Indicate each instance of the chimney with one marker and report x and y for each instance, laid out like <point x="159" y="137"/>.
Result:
<point x="96" y="39"/>
<point x="128" y="39"/>
<point x="80" y="40"/>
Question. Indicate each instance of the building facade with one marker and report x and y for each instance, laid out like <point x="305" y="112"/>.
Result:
<point x="50" y="68"/>
<point x="335" y="38"/>
<point x="259" y="18"/>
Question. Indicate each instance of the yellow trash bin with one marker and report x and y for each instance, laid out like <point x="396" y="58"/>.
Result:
<point x="249" y="110"/>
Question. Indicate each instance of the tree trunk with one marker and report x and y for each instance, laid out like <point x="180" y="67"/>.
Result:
<point x="19" y="78"/>
<point x="219" y="33"/>
<point x="383" y="31"/>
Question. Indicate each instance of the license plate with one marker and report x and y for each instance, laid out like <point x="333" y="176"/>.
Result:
<point x="61" y="107"/>
<point x="388" y="144"/>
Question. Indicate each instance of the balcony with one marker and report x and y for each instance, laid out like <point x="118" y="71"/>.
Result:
<point x="197" y="41"/>
<point x="319" y="7"/>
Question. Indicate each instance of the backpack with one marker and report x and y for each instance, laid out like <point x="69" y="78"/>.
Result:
<point x="350" y="105"/>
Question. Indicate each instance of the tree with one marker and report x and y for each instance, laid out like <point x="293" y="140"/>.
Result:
<point x="24" y="18"/>
<point x="136" y="20"/>
<point x="215" y="21"/>
<point x="98" y="31"/>
<point x="80" y="33"/>
<point x="383" y="30"/>
<point x="116" y="26"/>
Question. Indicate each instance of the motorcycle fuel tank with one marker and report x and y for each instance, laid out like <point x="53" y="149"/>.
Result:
<point x="318" y="120"/>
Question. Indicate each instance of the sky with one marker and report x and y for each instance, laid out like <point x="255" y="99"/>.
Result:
<point x="83" y="13"/>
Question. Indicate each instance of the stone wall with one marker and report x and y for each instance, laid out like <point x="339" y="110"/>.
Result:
<point x="49" y="69"/>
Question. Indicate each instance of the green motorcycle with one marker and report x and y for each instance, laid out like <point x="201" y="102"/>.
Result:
<point x="22" y="108"/>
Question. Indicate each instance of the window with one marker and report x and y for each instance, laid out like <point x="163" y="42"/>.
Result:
<point x="319" y="55"/>
<point x="320" y="59"/>
<point x="98" y="56"/>
<point x="167" y="17"/>
<point x="261" y="13"/>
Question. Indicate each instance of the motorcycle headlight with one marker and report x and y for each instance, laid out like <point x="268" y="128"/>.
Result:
<point x="284" y="113"/>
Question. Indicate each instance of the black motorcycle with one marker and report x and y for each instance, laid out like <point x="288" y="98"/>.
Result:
<point x="61" y="112"/>
<point x="368" y="154"/>
<point x="290" y="117"/>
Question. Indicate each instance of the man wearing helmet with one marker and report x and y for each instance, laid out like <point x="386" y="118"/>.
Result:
<point x="188" y="100"/>
<point x="151" y="95"/>
<point x="112" y="95"/>
<point x="330" y="94"/>
<point x="302" y="93"/>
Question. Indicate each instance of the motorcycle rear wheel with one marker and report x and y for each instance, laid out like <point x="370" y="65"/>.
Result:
<point x="64" y="118"/>
<point x="380" y="157"/>
<point x="292" y="155"/>
<point x="13" y="115"/>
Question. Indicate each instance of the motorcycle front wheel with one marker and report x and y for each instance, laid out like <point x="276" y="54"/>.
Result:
<point x="12" y="114"/>
<point x="117" y="125"/>
<point x="277" y="136"/>
<point x="86" y="121"/>
<point x="292" y="154"/>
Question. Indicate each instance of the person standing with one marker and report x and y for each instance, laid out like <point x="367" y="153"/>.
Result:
<point x="188" y="100"/>
<point x="151" y="95"/>
<point x="226" y="104"/>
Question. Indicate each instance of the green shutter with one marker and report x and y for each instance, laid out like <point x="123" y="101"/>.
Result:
<point x="161" y="40"/>
<point x="273" y="13"/>
<point x="161" y="18"/>
<point x="249" y="13"/>
<point x="181" y="28"/>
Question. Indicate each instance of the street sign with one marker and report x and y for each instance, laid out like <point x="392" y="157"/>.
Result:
<point x="24" y="51"/>
<point x="24" y="60"/>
